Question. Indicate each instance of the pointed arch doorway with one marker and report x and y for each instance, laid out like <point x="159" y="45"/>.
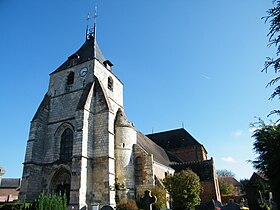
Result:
<point x="61" y="183"/>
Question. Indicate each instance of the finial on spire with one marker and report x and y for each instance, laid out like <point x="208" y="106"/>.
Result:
<point x="94" y="31"/>
<point x="91" y="32"/>
<point x="87" y="30"/>
<point x="94" y="18"/>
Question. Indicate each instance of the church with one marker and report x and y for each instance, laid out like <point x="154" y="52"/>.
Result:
<point x="81" y="142"/>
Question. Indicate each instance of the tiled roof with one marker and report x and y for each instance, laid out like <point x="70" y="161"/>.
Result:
<point x="230" y="180"/>
<point x="9" y="183"/>
<point x="258" y="178"/>
<point x="173" y="139"/>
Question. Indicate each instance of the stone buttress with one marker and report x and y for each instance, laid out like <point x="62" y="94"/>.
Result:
<point x="70" y="148"/>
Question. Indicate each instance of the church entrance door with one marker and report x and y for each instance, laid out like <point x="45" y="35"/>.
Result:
<point x="61" y="183"/>
<point x="64" y="189"/>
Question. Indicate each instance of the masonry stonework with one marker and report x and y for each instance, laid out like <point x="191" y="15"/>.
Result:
<point x="82" y="144"/>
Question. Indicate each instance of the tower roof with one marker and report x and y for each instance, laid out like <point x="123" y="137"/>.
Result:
<point x="122" y="120"/>
<point x="85" y="53"/>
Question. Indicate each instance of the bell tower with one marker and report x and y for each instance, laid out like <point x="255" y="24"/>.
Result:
<point x="70" y="148"/>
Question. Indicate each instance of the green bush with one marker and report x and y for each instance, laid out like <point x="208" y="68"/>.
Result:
<point x="53" y="202"/>
<point x="17" y="206"/>
<point x="127" y="204"/>
<point x="160" y="194"/>
<point x="184" y="188"/>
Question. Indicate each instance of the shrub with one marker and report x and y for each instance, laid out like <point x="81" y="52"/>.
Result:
<point x="184" y="188"/>
<point x="53" y="202"/>
<point x="17" y="206"/>
<point x="127" y="204"/>
<point x="160" y="194"/>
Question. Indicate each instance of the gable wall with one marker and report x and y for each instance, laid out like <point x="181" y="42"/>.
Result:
<point x="193" y="153"/>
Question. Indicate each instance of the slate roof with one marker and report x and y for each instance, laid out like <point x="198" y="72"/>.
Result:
<point x="173" y="139"/>
<point x="85" y="53"/>
<point x="9" y="183"/>
<point x="150" y="147"/>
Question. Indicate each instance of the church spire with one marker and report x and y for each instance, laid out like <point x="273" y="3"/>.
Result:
<point x="88" y="30"/>
<point x="94" y="31"/>
<point x="91" y="32"/>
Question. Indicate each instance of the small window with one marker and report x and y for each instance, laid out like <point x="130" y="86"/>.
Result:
<point x="70" y="78"/>
<point x="138" y="171"/>
<point x="110" y="83"/>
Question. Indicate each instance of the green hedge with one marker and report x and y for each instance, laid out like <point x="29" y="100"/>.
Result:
<point x="17" y="206"/>
<point x="44" y="202"/>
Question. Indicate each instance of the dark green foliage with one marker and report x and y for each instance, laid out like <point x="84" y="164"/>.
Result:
<point x="225" y="188"/>
<point x="127" y="204"/>
<point x="53" y="202"/>
<point x="273" y="17"/>
<point x="44" y="202"/>
<point x="17" y="206"/>
<point x="243" y="183"/>
<point x="267" y="147"/>
<point x="160" y="194"/>
<point x="184" y="188"/>
<point x="267" y="143"/>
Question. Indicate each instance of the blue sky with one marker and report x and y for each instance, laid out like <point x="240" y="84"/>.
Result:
<point x="186" y="63"/>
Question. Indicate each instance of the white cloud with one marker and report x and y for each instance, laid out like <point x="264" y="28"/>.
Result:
<point x="205" y="76"/>
<point x="228" y="159"/>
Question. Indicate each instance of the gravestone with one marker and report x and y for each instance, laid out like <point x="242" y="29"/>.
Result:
<point x="206" y="206"/>
<point x="148" y="200"/>
<point x="107" y="208"/>
<point x="231" y="206"/>
<point x="94" y="206"/>
<point x="252" y="195"/>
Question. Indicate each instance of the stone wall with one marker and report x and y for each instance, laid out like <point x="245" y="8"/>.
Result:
<point x="88" y="108"/>
<point x="125" y="138"/>
<point x="161" y="170"/>
<point x="147" y="169"/>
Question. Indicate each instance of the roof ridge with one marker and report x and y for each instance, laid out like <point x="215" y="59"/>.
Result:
<point x="193" y="162"/>
<point x="167" y="131"/>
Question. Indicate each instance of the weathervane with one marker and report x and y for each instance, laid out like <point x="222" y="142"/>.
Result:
<point x="91" y="32"/>
<point x="94" y="18"/>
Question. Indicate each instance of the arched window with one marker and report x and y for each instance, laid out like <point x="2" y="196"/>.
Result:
<point x="110" y="83"/>
<point x="66" y="144"/>
<point x="138" y="171"/>
<point x="70" y="78"/>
